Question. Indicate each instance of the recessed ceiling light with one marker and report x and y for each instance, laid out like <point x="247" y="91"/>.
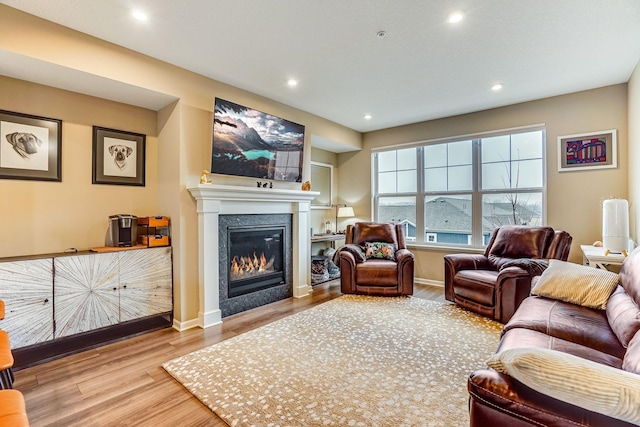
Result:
<point x="367" y="116"/>
<point x="455" y="17"/>
<point x="139" y="15"/>
<point x="381" y="34"/>
<point x="496" y="87"/>
<point x="292" y="82"/>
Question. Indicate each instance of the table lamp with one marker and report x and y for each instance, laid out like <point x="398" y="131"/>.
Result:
<point x="343" y="212"/>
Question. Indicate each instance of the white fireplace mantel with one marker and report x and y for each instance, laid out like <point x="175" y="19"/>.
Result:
<point x="214" y="200"/>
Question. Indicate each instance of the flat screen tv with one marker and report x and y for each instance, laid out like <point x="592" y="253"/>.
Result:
<point x="251" y="143"/>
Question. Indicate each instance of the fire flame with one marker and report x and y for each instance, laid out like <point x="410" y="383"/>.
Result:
<point x="248" y="266"/>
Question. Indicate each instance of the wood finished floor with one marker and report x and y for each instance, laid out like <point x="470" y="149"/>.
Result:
<point x="123" y="384"/>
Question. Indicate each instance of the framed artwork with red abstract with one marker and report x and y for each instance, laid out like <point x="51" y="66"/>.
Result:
<point x="594" y="150"/>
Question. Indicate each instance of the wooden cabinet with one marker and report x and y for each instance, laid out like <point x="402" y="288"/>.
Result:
<point x="85" y="292"/>
<point x="61" y="296"/>
<point x="27" y="292"/>
<point x="145" y="283"/>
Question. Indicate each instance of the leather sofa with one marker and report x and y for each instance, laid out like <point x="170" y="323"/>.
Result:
<point x="494" y="284"/>
<point x="361" y="273"/>
<point x="609" y="337"/>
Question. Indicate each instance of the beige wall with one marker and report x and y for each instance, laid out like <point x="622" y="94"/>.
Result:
<point x="44" y="217"/>
<point x="634" y="152"/>
<point x="39" y="217"/>
<point x="573" y="198"/>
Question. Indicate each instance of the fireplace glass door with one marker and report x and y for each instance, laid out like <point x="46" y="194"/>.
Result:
<point x="256" y="257"/>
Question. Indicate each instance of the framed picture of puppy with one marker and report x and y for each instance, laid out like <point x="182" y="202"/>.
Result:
<point x="30" y="147"/>
<point x="118" y="157"/>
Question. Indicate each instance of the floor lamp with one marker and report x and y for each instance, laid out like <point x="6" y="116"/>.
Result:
<point x="343" y="211"/>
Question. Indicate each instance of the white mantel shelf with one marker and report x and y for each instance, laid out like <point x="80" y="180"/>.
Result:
<point x="214" y="200"/>
<point x="236" y="192"/>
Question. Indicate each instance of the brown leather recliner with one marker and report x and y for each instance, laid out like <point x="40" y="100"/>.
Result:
<point x="373" y="276"/>
<point x="495" y="283"/>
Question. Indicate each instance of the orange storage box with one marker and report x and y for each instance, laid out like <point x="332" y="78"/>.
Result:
<point x="154" y="221"/>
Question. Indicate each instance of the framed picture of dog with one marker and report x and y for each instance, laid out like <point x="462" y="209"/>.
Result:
<point x="118" y="157"/>
<point x="30" y="147"/>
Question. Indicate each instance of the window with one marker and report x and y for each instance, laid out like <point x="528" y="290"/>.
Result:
<point x="457" y="191"/>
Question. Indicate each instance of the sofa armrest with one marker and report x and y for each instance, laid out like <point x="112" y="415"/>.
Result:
<point x="467" y="262"/>
<point x="495" y="396"/>
<point x="405" y="260"/>
<point x="513" y="285"/>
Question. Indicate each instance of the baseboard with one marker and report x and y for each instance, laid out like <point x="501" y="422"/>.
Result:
<point x="429" y="282"/>
<point x="183" y="326"/>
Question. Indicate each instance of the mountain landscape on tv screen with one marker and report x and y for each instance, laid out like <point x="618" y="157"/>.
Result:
<point x="251" y="143"/>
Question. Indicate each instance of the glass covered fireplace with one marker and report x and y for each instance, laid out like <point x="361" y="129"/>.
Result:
<point x="256" y="259"/>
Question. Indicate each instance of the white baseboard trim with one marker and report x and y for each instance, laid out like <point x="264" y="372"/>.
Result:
<point x="183" y="326"/>
<point x="429" y="282"/>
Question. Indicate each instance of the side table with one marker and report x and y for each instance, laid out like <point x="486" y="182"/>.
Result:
<point x="594" y="256"/>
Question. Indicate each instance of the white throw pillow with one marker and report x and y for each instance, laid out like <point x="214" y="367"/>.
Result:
<point x="572" y="379"/>
<point x="577" y="284"/>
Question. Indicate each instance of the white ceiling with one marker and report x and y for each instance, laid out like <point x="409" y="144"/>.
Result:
<point x="423" y="69"/>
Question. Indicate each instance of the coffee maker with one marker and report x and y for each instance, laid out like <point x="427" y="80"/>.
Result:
<point x="123" y="230"/>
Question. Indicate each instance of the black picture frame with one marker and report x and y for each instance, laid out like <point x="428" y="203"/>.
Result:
<point x="119" y="157"/>
<point x="30" y="147"/>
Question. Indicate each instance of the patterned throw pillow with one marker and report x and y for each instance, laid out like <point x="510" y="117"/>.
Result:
<point x="380" y="250"/>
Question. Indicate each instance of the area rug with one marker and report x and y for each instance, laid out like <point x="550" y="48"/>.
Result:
<point x="352" y="361"/>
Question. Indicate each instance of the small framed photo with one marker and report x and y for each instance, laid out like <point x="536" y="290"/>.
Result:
<point x="30" y="147"/>
<point x="594" y="150"/>
<point x="118" y="157"/>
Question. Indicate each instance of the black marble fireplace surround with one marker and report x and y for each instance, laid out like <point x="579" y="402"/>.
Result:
<point x="281" y="287"/>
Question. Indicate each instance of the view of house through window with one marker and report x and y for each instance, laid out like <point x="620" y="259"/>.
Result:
<point x="458" y="191"/>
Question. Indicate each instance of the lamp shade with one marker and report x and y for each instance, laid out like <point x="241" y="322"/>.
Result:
<point x="346" y="212"/>
<point x="615" y="225"/>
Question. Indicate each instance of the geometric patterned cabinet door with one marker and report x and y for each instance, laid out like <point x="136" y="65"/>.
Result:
<point x="26" y="288"/>
<point x="145" y="282"/>
<point x="85" y="293"/>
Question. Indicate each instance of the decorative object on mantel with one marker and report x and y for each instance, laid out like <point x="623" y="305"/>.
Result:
<point x="306" y="186"/>
<point x="264" y="184"/>
<point x="251" y="378"/>
<point x="204" y="179"/>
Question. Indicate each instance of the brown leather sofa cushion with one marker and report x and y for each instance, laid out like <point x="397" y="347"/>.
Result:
<point x="519" y="242"/>
<point x="520" y="337"/>
<point x="623" y="315"/>
<point x="377" y="272"/>
<point x="476" y="285"/>
<point x="631" y="360"/>
<point x="375" y="232"/>
<point x="630" y="275"/>
<point x="570" y="322"/>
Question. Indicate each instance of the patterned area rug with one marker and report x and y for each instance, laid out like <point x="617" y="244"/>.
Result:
<point x="352" y="361"/>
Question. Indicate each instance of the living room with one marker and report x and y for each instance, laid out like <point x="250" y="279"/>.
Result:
<point x="50" y="217"/>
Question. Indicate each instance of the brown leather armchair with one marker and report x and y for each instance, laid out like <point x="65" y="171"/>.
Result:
<point x="495" y="283"/>
<point x="372" y="276"/>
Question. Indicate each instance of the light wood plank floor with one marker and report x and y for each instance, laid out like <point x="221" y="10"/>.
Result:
<point x="123" y="384"/>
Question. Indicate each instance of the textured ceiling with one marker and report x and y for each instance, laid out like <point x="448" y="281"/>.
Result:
<point x="423" y="69"/>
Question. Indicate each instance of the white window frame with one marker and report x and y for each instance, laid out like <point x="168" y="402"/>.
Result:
<point x="476" y="239"/>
